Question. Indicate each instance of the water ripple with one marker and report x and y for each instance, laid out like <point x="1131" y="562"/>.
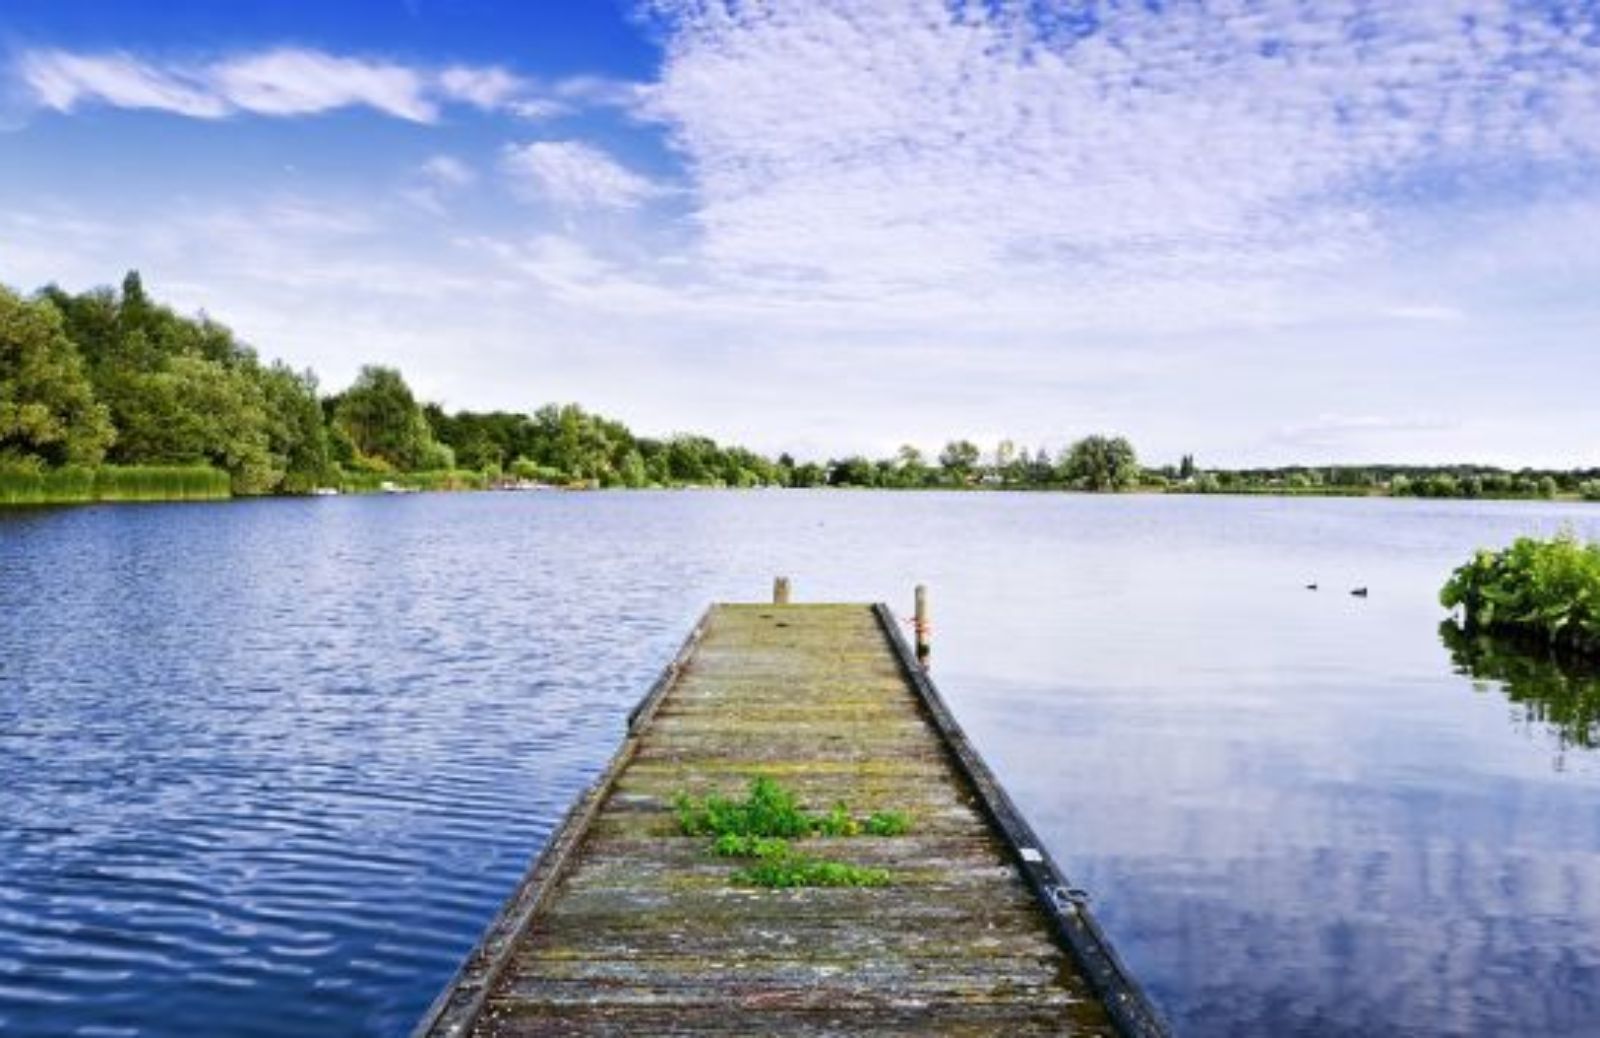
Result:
<point x="269" y="767"/>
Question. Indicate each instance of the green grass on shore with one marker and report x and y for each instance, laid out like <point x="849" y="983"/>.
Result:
<point x="81" y="485"/>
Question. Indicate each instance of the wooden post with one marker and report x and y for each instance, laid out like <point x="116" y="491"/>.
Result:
<point x="780" y="591"/>
<point x="921" y="627"/>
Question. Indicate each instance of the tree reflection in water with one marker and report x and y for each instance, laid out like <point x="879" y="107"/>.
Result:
<point x="1553" y="690"/>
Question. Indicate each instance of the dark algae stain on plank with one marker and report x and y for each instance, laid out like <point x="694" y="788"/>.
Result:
<point x="628" y="926"/>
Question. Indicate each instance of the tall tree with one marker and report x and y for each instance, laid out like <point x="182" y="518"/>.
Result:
<point x="1101" y="463"/>
<point x="958" y="460"/>
<point x="297" y="436"/>
<point x="381" y="421"/>
<point x="911" y="466"/>
<point x="48" y="413"/>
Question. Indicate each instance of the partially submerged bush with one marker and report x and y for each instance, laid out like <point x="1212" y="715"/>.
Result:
<point x="1562" y="694"/>
<point x="1548" y="590"/>
<point x="760" y="826"/>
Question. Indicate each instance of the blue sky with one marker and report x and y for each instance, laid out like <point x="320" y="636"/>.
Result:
<point x="1258" y="231"/>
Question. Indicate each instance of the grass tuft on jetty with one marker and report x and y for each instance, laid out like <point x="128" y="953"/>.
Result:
<point x="1537" y="590"/>
<point x="767" y="810"/>
<point x="792" y="870"/>
<point x="760" y="826"/>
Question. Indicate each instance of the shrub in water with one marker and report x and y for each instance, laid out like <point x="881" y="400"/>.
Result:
<point x="1543" y="589"/>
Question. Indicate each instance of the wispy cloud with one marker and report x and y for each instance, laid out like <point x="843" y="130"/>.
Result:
<point x="1355" y="430"/>
<point x="65" y="81"/>
<point x="1005" y="155"/>
<point x="437" y="180"/>
<point x="1424" y="312"/>
<point x="603" y="91"/>
<point x="487" y="88"/>
<point x="576" y="175"/>
<point x="445" y="171"/>
<point x="303" y="82"/>
<point x="1199" y="223"/>
<point x="281" y="81"/>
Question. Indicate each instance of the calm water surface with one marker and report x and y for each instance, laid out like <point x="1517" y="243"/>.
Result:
<point x="269" y="767"/>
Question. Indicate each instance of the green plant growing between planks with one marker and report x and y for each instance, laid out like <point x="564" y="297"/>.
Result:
<point x="888" y="823"/>
<point x="802" y="870"/>
<point x="761" y="826"/>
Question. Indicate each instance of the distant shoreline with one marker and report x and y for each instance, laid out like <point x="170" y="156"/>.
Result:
<point x="176" y="484"/>
<point x="115" y="397"/>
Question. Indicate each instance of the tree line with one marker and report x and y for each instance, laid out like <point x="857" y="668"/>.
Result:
<point x="109" y="377"/>
<point x="1426" y="481"/>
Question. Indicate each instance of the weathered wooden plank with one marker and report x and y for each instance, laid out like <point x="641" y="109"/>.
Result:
<point x="637" y="929"/>
<point x="1011" y="1021"/>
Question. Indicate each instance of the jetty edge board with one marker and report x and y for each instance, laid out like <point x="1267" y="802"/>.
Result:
<point x="458" y="1005"/>
<point x="624" y="926"/>
<point x="1067" y="906"/>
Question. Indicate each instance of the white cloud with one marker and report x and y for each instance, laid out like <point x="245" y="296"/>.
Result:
<point x="534" y="109"/>
<point x="436" y="181"/>
<point x="283" y="81"/>
<point x="898" y="153"/>
<point x="447" y="172"/>
<point x="1344" y="430"/>
<point x="576" y="175"/>
<point x="1424" y="312"/>
<point x="65" y="81"/>
<point x="1256" y="229"/>
<point x="603" y="90"/>
<point x="302" y="82"/>
<point x="487" y="88"/>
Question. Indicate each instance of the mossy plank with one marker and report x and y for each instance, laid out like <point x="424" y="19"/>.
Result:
<point x="645" y="932"/>
<point x="1012" y="1021"/>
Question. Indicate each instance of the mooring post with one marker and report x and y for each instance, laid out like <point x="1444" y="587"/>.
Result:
<point x="780" y="591"/>
<point x="920" y="625"/>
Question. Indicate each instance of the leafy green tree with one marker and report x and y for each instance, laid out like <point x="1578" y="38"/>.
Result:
<point x="297" y="436"/>
<point x="196" y="411"/>
<point x="632" y="470"/>
<point x="1005" y="459"/>
<point x="90" y="320"/>
<point x="958" y="460"/>
<point x="809" y="474"/>
<point x="910" y="467"/>
<point x="383" y="424"/>
<point x="1038" y="471"/>
<point x="854" y="471"/>
<point x="1101" y="463"/>
<point x="48" y="413"/>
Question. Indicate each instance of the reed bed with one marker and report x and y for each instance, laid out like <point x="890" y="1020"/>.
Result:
<point x="79" y="485"/>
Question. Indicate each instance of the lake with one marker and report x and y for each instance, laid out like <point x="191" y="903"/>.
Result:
<point x="269" y="767"/>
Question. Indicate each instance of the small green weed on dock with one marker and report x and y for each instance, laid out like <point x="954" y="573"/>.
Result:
<point x="801" y="870"/>
<point x="761" y="826"/>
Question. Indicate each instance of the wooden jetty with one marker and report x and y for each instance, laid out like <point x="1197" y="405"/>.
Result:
<point x="625" y="926"/>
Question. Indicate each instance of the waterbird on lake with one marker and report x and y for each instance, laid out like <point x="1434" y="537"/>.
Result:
<point x="1359" y="592"/>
